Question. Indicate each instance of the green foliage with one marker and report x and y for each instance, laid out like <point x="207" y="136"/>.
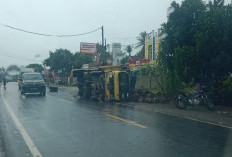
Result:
<point x="147" y="70"/>
<point x="79" y="59"/>
<point x="141" y="53"/>
<point x="36" y="67"/>
<point x="166" y="80"/>
<point x="13" y="68"/>
<point x="141" y="43"/>
<point x="60" y="59"/>
<point x="64" y="59"/>
<point x="2" y="69"/>
<point x="228" y="85"/>
<point x="227" y="90"/>
<point x="197" y="41"/>
<point x="128" y="49"/>
<point x="125" y="60"/>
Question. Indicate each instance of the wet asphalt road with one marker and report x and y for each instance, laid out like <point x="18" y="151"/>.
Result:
<point x="63" y="126"/>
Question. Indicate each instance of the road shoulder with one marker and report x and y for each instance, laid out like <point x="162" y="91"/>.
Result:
<point x="2" y="147"/>
<point x="221" y="117"/>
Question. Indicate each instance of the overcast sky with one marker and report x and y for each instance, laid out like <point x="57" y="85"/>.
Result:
<point x="123" y="20"/>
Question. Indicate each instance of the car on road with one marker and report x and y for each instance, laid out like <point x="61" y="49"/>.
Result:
<point x="32" y="83"/>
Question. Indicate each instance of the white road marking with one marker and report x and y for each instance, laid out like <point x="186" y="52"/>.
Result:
<point x="189" y="118"/>
<point x="30" y="144"/>
<point x="193" y="119"/>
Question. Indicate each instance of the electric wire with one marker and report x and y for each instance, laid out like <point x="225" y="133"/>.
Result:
<point x="9" y="56"/>
<point x="48" y="35"/>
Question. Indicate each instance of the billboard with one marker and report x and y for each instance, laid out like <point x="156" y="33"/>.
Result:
<point x="88" y="48"/>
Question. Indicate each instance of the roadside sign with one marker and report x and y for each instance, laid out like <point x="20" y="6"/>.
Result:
<point x="88" y="48"/>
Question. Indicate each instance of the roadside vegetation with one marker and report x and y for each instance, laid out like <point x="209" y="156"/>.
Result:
<point x="196" y="48"/>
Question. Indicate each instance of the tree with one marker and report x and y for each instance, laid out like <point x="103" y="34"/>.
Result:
<point x="180" y="53"/>
<point x="141" y="43"/>
<point x="13" y="68"/>
<point x="36" y="67"/>
<point x="198" y="41"/>
<point x="80" y="58"/>
<point x="128" y="49"/>
<point x="219" y="3"/>
<point x="125" y="60"/>
<point x="11" y="72"/>
<point x="60" y="59"/>
<point x="2" y="69"/>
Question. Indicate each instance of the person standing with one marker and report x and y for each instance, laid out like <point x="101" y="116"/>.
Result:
<point x="4" y="82"/>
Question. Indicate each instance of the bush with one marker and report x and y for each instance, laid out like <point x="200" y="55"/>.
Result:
<point x="167" y="81"/>
<point x="227" y="90"/>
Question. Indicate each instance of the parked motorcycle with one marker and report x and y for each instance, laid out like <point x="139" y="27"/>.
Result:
<point x="183" y="99"/>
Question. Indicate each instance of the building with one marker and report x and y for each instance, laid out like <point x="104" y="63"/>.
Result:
<point x="152" y="47"/>
<point x="116" y="53"/>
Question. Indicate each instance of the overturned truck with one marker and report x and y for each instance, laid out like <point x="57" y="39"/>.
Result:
<point x="106" y="83"/>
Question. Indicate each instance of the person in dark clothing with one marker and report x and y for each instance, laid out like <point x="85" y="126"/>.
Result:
<point x="4" y="82"/>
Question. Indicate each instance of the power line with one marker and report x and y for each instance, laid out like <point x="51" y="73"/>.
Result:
<point x="129" y="44"/>
<point x="1" y="54"/>
<point x="124" y="38"/>
<point x="48" y="35"/>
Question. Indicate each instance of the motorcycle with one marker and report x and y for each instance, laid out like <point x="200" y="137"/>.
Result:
<point x="183" y="99"/>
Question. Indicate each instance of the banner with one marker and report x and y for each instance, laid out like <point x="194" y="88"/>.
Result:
<point x="88" y="48"/>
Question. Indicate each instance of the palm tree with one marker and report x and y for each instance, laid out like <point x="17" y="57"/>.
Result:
<point x="141" y="43"/>
<point x="128" y="49"/>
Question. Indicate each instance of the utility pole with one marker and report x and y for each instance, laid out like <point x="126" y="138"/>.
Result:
<point x="105" y="45"/>
<point x="102" y="36"/>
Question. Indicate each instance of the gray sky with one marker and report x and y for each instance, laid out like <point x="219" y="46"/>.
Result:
<point x="123" y="20"/>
